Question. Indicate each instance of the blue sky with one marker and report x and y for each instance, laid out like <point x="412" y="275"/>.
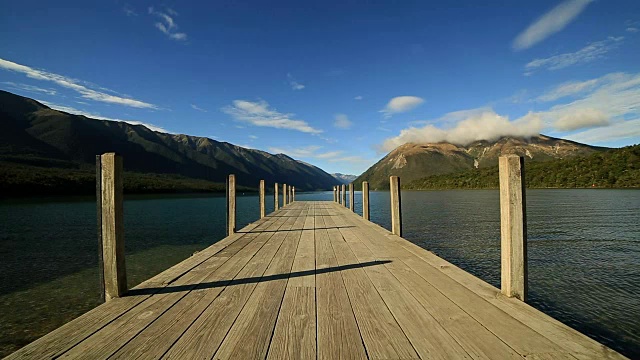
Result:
<point x="336" y="84"/>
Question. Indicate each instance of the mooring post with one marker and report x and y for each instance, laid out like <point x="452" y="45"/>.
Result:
<point x="290" y="194"/>
<point x="262" y="209"/>
<point x="344" y="195"/>
<point x="111" y="223"/>
<point x="396" y="208"/>
<point x="284" y="195"/>
<point x="365" y="200"/>
<point x="351" y="198"/>
<point x="276" y="199"/>
<point x="513" y="227"/>
<point x="231" y="205"/>
<point x="335" y="194"/>
<point x="339" y="200"/>
<point x="293" y="194"/>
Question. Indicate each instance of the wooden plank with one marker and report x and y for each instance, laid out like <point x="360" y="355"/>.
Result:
<point x="513" y="227"/>
<point x="396" y="279"/>
<point x="295" y="332"/>
<point x="396" y="206"/>
<point x="115" y="270"/>
<point x="217" y="270"/>
<point x="525" y="329"/>
<point x="250" y="335"/>
<point x="382" y="336"/>
<point x="155" y="340"/>
<point x="338" y="336"/>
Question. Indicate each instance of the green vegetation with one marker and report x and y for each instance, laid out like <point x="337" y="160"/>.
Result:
<point x="18" y="180"/>
<point x="619" y="168"/>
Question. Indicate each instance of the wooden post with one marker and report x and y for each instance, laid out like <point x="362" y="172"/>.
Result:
<point x="339" y="195"/>
<point x="231" y="205"/>
<point x="276" y="198"/>
<point x="344" y="195"/>
<point x="396" y="208"/>
<point x="284" y="195"/>
<point x="335" y="193"/>
<point x="112" y="226"/>
<point x="293" y="194"/>
<point x="365" y="200"/>
<point x="290" y="194"/>
<point x="513" y="227"/>
<point x="351" y="198"/>
<point x="99" y="223"/>
<point x="262" y="209"/>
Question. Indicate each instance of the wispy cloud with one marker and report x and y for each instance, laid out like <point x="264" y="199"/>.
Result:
<point x="582" y="119"/>
<point x="75" y="85"/>
<point x="593" y="51"/>
<point x="29" y="88"/>
<point x="550" y="23"/>
<point x="167" y="23"/>
<point x="567" y="89"/>
<point x="129" y="10"/>
<point x="619" y="131"/>
<point x="71" y="110"/>
<point x="342" y="121"/>
<point x="312" y="152"/>
<point x="253" y="137"/>
<point x="485" y="126"/>
<point x="359" y="97"/>
<point x="401" y="104"/>
<point x="295" y="85"/>
<point x="195" y="107"/>
<point x="260" y="114"/>
<point x="632" y="29"/>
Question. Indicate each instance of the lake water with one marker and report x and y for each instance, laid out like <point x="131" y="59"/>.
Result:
<point x="584" y="251"/>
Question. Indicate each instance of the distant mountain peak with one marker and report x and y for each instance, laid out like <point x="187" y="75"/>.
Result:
<point x="344" y="178"/>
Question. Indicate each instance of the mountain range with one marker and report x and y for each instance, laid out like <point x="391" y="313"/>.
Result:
<point x="344" y="178"/>
<point x="32" y="134"/>
<point x="414" y="161"/>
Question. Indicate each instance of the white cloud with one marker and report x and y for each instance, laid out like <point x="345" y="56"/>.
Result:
<point x="567" y="89"/>
<point x="401" y="104"/>
<point x="129" y="10"/>
<point x="581" y="119"/>
<point x="485" y="126"/>
<point x="359" y="97"/>
<point x="302" y="152"/>
<point x="619" y="131"/>
<point x="329" y="155"/>
<point x="295" y="85"/>
<point x="74" y="85"/>
<point x="168" y="25"/>
<point x="550" y="23"/>
<point x="593" y="51"/>
<point x="195" y="107"/>
<point x="253" y="137"/>
<point x="71" y="110"/>
<point x="342" y="121"/>
<point x="29" y="88"/>
<point x="260" y="114"/>
<point x="632" y="29"/>
<point x="311" y="152"/>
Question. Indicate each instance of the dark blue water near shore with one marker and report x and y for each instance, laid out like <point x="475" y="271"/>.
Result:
<point x="584" y="247"/>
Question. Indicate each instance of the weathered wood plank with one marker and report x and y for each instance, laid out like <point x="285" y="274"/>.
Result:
<point x="337" y="330"/>
<point x="250" y="335"/>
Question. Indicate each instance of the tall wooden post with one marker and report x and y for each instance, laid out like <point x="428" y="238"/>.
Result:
<point x="396" y="208"/>
<point x="344" y="195"/>
<point x="293" y="194"/>
<point x="513" y="227"/>
<point x="284" y="195"/>
<point x="365" y="200"/>
<point x="231" y="205"/>
<point x="290" y="194"/>
<point x="339" y="195"/>
<point x="262" y="208"/>
<point x="276" y="199"/>
<point x="335" y="193"/>
<point x="112" y="226"/>
<point x="351" y="198"/>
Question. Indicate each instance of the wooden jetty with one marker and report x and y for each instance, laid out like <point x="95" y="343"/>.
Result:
<point x="314" y="280"/>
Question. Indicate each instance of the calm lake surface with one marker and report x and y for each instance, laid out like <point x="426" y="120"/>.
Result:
<point x="584" y="251"/>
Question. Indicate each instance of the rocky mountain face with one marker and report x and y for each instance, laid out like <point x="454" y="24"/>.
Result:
<point x="413" y="161"/>
<point x="344" y="178"/>
<point x="32" y="133"/>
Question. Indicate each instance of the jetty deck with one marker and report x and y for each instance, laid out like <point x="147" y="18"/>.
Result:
<point x="315" y="280"/>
